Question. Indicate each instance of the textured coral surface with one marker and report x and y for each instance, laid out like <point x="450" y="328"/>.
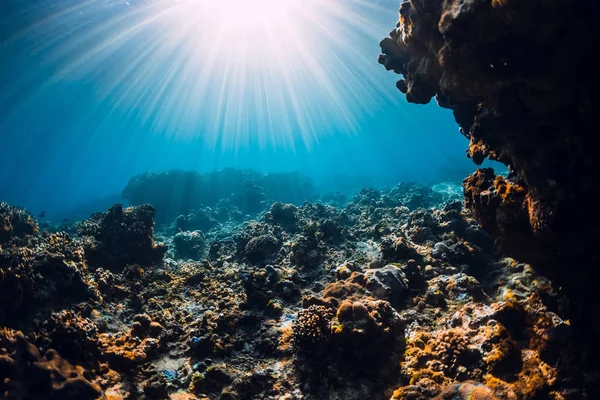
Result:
<point x="377" y="298"/>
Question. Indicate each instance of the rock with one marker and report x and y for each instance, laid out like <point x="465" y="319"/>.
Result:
<point x="262" y="248"/>
<point x="198" y="220"/>
<point x="121" y="237"/>
<point x="273" y="273"/>
<point x="387" y="283"/>
<point x="440" y="249"/>
<point x="518" y="77"/>
<point x="284" y="215"/>
<point x="397" y="249"/>
<point x="176" y="192"/>
<point x="38" y="278"/>
<point x="189" y="245"/>
<point x="29" y="375"/>
<point x="331" y="229"/>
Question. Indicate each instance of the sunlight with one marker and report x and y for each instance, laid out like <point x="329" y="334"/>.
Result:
<point x="234" y="73"/>
<point x="250" y="16"/>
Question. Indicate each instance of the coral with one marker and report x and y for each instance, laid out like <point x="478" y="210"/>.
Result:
<point x="302" y="306"/>
<point x="29" y="375"/>
<point x="37" y="277"/>
<point x="305" y="252"/>
<point x="122" y="236"/>
<point x="261" y="248"/>
<point x="15" y="222"/>
<point x="125" y="350"/>
<point x="469" y="390"/>
<point x="312" y="329"/>
<point x="366" y="326"/>
<point x="72" y="335"/>
<point x="363" y="327"/>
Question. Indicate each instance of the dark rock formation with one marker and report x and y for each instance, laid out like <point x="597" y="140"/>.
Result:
<point x="284" y="215"/>
<point x="520" y="78"/>
<point x="122" y="236"/>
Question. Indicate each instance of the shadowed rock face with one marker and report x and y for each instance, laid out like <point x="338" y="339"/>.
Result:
<point x="521" y="81"/>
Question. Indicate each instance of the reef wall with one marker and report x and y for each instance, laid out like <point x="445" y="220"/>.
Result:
<point x="520" y="79"/>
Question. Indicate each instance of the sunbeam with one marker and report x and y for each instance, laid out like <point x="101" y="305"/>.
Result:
<point x="231" y="72"/>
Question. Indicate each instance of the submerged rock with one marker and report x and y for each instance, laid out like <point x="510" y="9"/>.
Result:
<point x="262" y="248"/>
<point x="177" y="192"/>
<point x="27" y="374"/>
<point x="519" y="78"/>
<point x="122" y="236"/>
<point x="189" y="245"/>
<point x="388" y="283"/>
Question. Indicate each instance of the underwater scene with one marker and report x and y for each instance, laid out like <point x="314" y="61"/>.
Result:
<point x="299" y="199"/>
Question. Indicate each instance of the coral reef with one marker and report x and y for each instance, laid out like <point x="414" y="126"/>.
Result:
<point x="383" y="297"/>
<point x="15" y="222"/>
<point x="39" y="273"/>
<point x="29" y="375"/>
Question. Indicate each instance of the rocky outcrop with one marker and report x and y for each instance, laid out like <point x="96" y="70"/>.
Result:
<point x="369" y="301"/>
<point x="122" y="236"/>
<point x="520" y="79"/>
<point x="518" y="76"/>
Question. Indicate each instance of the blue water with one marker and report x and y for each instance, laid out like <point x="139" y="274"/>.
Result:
<point x="87" y="101"/>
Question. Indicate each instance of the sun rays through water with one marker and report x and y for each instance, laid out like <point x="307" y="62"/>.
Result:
<point x="233" y="72"/>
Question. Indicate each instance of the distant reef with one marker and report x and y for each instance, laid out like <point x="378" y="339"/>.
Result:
<point x="177" y="192"/>
<point x="520" y="79"/>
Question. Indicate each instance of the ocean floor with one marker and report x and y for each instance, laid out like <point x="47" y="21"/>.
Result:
<point x="392" y="293"/>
